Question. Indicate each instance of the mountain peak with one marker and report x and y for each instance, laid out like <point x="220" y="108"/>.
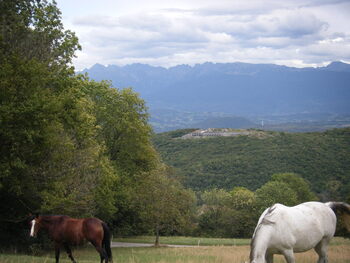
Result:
<point x="338" y="66"/>
<point x="97" y="66"/>
<point x="241" y="89"/>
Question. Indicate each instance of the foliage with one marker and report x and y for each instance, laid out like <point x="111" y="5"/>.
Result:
<point x="242" y="198"/>
<point x="123" y="121"/>
<point x="245" y="205"/>
<point x="33" y="30"/>
<point x="297" y="184"/>
<point x="68" y="145"/>
<point x="249" y="161"/>
<point x="50" y="158"/>
<point x="235" y="213"/>
<point x="275" y="192"/>
<point x="216" y="197"/>
<point x="227" y="214"/>
<point x="163" y="203"/>
<point x="47" y="131"/>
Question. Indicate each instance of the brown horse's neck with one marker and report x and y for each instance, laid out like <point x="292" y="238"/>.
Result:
<point x="47" y="222"/>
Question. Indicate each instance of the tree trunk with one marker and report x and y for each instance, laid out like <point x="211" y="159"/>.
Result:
<point x="156" y="244"/>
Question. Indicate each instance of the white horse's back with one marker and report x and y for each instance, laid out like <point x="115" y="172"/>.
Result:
<point x="301" y="227"/>
<point x="285" y="230"/>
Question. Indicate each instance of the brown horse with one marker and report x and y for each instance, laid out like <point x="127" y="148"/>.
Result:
<point x="66" y="231"/>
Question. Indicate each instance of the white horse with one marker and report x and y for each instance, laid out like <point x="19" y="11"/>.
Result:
<point x="285" y="230"/>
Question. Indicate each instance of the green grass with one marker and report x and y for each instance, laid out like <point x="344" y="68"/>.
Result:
<point x="203" y="241"/>
<point x="128" y="255"/>
<point x="339" y="252"/>
<point x="192" y="241"/>
<point x="338" y="241"/>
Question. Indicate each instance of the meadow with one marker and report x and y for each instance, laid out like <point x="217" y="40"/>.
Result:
<point x="189" y="241"/>
<point x="339" y="252"/>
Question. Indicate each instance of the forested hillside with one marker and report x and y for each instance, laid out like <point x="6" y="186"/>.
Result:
<point x="323" y="159"/>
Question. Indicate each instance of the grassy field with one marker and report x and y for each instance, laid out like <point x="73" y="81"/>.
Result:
<point x="192" y="241"/>
<point x="339" y="252"/>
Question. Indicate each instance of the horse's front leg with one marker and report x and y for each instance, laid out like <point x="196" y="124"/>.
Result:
<point x="57" y="251"/>
<point x="289" y="255"/>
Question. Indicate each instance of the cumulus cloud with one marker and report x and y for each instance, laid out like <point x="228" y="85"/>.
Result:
<point x="297" y="32"/>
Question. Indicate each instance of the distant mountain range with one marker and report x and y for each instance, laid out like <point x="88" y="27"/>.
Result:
<point x="233" y="89"/>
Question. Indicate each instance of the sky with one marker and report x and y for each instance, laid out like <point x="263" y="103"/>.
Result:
<point x="167" y="33"/>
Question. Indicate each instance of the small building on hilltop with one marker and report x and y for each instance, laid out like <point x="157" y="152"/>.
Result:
<point x="214" y="132"/>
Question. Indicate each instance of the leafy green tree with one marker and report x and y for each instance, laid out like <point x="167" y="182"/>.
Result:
<point x="122" y="124"/>
<point x="275" y="192"/>
<point x="71" y="145"/>
<point x="297" y="184"/>
<point x="33" y="30"/>
<point x="123" y="121"/>
<point x="217" y="221"/>
<point x="243" y="201"/>
<point x="215" y="215"/>
<point x="163" y="203"/>
<point x="216" y="197"/>
<point x="51" y="158"/>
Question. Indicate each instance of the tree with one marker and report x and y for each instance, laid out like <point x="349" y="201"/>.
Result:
<point x="243" y="201"/>
<point x="297" y="184"/>
<point x="215" y="215"/>
<point x="216" y="197"/>
<point x="163" y="203"/>
<point x="275" y="192"/>
<point x="32" y="30"/>
<point x="123" y="121"/>
<point x="51" y="158"/>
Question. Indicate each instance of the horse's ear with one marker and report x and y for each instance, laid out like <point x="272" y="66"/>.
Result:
<point x="36" y="215"/>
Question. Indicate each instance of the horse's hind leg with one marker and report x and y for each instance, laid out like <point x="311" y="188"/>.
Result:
<point x="321" y="250"/>
<point x="103" y="254"/>
<point x="69" y="252"/>
<point x="57" y="252"/>
<point x="101" y="251"/>
<point x="269" y="257"/>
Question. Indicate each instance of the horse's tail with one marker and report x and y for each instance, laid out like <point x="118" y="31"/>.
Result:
<point x="106" y="242"/>
<point x="342" y="209"/>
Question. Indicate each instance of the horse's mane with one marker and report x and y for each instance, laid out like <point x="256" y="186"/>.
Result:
<point x="53" y="218"/>
<point x="266" y="219"/>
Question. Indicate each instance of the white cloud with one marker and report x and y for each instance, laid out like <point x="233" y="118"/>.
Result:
<point x="291" y="32"/>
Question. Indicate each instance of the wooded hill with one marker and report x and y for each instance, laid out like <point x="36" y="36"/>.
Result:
<point x="249" y="161"/>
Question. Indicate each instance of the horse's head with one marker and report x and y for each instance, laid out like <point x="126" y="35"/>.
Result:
<point x="34" y="222"/>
